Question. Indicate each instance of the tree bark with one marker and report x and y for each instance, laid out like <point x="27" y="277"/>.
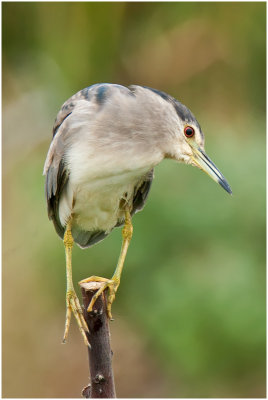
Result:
<point x="100" y="354"/>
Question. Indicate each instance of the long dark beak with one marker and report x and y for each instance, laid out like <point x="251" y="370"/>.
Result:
<point x="201" y="160"/>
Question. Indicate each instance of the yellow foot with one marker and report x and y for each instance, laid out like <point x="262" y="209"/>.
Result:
<point x="73" y="305"/>
<point x="111" y="284"/>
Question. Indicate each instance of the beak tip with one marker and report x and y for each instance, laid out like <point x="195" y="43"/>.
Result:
<point x="202" y="161"/>
<point x="225" y="186"/>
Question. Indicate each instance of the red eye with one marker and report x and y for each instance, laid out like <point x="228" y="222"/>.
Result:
<point x="188" y="131"/>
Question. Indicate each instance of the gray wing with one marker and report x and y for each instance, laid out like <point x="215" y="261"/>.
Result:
<point x="141" y="193"/>
<point x="97" y="93"/>
<point x="55" y="168"/>
<point x="57" y="176"/>
<point x="69" y="106"/>
<point x="56" y="171"/>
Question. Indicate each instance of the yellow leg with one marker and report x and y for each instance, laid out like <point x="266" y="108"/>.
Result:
<point x="72" y="301"/>
<point x="113" y="283"/>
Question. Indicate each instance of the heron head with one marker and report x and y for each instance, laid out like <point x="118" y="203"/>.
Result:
<point x="193" y="146"/>
<point x="190" y="145"/>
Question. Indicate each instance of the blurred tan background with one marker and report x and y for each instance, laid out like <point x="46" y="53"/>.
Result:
<point x="190" y="311"/>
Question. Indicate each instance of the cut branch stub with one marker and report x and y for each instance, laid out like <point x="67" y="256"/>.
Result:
<point x="100" y="354"/>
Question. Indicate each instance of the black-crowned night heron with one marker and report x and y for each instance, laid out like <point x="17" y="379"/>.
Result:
<point x="107" y="139"/>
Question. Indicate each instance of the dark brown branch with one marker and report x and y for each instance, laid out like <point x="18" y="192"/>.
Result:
<point x="100" y="354"/>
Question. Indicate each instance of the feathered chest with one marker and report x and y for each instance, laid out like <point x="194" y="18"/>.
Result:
<point x="96" y="203"/>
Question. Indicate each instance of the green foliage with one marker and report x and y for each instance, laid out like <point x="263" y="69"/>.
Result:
<point x="193" y="286"/>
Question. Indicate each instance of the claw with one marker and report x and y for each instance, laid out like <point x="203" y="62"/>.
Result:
<point x="111" y="284"/>
<point x="73" y="305"/>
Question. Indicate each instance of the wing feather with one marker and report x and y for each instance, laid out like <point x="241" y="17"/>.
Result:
<point x="57" y="173"/>
<point x="141" y="192"/>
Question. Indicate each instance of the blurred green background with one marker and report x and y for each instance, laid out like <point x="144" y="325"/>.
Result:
<point x="190" y="311"/>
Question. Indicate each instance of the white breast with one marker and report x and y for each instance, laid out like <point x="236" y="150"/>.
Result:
<point x="94" y="205"/>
